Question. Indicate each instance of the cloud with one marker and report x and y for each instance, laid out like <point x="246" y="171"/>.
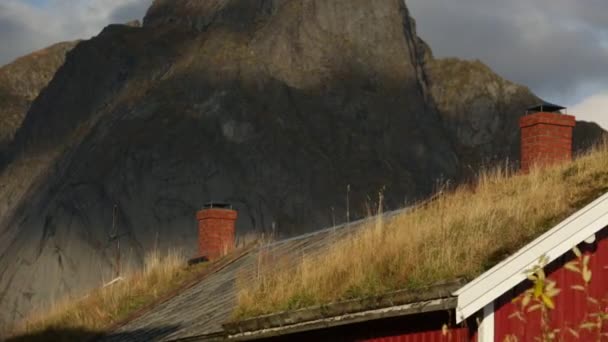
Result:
<point x="559" y="48"/>
<point x="26" y="26"/>
<point x="18" y="31"/>
<point x="129" y="11"/>
<point x="593" y="108"/>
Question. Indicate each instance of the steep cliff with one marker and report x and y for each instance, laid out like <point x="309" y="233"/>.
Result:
<point x="20" y="83"/>
<point x="274" y="105"/>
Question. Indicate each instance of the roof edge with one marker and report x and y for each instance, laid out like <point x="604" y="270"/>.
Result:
<point x="438" y="304"/>
<point x="554" y="243"/>
<point x="398" y="303"/>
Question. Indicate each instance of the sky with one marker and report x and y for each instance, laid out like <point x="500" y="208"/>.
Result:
<point x="558" y="48"/>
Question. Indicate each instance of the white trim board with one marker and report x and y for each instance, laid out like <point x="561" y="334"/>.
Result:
<point x="486" y="327"/>
<point x="507" y="274"/>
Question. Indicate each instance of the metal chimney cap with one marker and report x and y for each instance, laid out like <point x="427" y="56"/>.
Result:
<point x="545" y="107"/>
<point x="217" y="205"/>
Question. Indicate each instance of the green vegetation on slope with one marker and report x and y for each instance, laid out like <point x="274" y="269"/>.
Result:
<point x="461" y="233"/>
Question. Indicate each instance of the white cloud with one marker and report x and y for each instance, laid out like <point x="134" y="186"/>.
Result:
<point x="25" y="27"/>
<point x="593" y="108"/>
<point x="556" y="47"/>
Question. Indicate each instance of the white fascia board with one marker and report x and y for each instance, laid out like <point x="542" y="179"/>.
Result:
<point x="499" y="279"/>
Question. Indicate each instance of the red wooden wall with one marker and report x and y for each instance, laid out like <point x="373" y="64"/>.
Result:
<point x="572" y="307"/>
<point x="454" y="335"/>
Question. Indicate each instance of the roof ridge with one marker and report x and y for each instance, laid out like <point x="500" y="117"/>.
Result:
<point x="347" y="225"/>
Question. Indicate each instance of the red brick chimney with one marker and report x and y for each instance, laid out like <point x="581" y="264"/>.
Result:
<point x="546" y="136"/>
<point x="216" y="229"/>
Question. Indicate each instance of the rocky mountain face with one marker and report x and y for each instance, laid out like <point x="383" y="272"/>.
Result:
<point x="20" y="83"/>
<point x="480" y="111"/>
<point x="276" y="106"/>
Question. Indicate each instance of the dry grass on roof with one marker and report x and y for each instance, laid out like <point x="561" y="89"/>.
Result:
<point x="82" y="319"/>
<point x="460" y="234"/>
<point x="89" y="317"/>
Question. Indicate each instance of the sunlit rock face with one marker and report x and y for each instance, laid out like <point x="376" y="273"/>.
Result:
<point x="274" y="106"/>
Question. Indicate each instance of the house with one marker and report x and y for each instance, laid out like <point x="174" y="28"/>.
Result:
<point x="566" y="269"/>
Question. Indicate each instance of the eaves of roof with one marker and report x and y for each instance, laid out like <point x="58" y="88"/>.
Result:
<point x="492" y="284"/>
<point x="394" y="304"/>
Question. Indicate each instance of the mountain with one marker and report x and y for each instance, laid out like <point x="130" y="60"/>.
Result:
<point x="277" y="106"/>
<point x="480" y="111"/>
<point x="20" y="83"/>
